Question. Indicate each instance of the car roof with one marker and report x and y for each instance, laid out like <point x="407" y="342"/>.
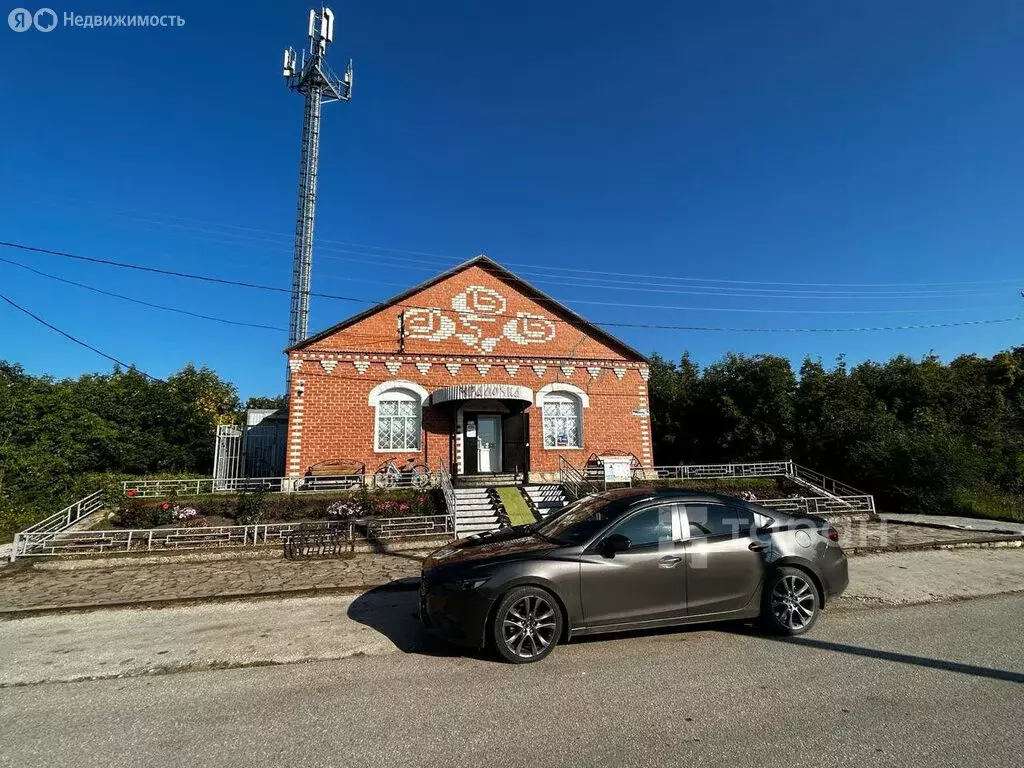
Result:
<point x="667" y="494"/>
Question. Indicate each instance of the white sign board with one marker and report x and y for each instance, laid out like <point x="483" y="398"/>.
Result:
<point x="616" y="469"/>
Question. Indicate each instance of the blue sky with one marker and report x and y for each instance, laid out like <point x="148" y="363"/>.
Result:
<point x="772" y="144"/>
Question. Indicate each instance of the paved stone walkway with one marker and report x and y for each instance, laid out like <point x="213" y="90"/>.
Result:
<point x="880" y="536"/>
<point x="69" y="583"/>
<point x="42" y="587"/>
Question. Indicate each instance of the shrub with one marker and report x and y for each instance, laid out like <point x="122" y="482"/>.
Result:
<point x="133" y="512"/>
<point x="251" y="508"/>
<point x="14" y="519"/>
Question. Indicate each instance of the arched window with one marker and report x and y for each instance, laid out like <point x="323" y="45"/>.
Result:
<point x="399" y="409"/>
<point x="563" y="422"/>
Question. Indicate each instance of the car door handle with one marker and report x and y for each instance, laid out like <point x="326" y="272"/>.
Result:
<point x="756" y="546"/>
<point x="669" y="561"/>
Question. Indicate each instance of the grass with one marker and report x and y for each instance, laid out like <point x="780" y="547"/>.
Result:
<point x="516" y="508"/>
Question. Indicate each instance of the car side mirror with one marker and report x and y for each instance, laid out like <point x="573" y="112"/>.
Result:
<point x="615" y="543"/>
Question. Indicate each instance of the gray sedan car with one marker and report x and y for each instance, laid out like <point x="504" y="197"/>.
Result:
<point x="631" y="559"/>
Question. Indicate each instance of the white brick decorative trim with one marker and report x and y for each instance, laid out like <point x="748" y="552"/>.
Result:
<point x="483" y="368"/>
<point x="453" y="368"/>
<point x="361" y="365"/>
<point x="568" y="370"/>
<point x="560" y="386"/>
<point x="328" y="365"/>
<point x="512" y="370"/>
<point x="387" y="386"/>
<point x="294" y="365"/>
<point x="540" y="370"/>
<point x="423" y="368"/>
<point x="594" y="371"/>
<point x="619" y="372"/>
<point x="645" y="373"/>
<point x="392" y="367"/>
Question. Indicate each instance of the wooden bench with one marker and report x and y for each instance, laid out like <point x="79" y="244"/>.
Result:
<point x="335" y="474"/>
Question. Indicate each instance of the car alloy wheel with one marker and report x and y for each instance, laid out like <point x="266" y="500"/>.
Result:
<point x="529" y="627"/>
<point x="794" y="602"/>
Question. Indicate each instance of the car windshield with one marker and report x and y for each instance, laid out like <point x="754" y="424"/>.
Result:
<point x="579" y="521"/>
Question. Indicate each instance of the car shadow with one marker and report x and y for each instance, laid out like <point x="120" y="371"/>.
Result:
<point x="393" y="611"/>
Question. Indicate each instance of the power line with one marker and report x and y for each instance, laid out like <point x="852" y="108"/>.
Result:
<point x="606" y="324"/>
<point x="78" y="341"/>
<point x="140" y="302"/>
<point x="453" y="260"/>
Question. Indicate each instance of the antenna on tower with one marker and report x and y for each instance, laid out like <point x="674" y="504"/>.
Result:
<point x="311" y="77"/>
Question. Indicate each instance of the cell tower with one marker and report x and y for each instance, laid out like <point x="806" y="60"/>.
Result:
<point x="314" y="80"/>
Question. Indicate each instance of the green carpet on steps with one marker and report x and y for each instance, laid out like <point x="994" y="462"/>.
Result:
<point x="515" y="505"/>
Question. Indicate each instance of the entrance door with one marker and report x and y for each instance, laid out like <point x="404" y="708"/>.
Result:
<point x="488" y="444"/>
<point x="515" y="444"/>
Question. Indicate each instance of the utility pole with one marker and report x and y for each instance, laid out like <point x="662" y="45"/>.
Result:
<point x="314" y="80"/>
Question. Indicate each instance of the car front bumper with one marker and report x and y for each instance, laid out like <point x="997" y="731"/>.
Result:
<point x="458" y="617"/>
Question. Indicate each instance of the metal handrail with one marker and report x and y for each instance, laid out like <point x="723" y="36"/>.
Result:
<point x="444" y="481"/>
<point x="827" y="484"/>
<point x="50" y="526"/>
<point x="573" y="481"/>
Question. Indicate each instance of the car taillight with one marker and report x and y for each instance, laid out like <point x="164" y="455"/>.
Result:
<point x="830" y="533"/>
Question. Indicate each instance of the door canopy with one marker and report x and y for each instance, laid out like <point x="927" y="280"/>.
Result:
<point x="481" y="392"/>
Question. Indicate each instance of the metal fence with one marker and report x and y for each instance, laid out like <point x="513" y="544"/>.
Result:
<point x="708" y="471"/>
<point x="444" y="480"/>
<point x="574" y="483"/>
<point x="147" y="489"/>
<point x="216" y="537"/>
<point x="824" y="483"/>
<point x="68" y="516"/>
<point x="818" y="505"/>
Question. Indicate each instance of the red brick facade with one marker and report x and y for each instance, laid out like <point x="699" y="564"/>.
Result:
<point x="477" y="324"/>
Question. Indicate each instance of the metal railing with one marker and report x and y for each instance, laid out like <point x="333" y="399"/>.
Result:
<point x="444" y="480"/>
<point x="574" y="483"/>
<point x="51" y="526"/>
<point x="708" y="471"/>
<point x="147" y="489"/>
<point x="824" y="483"/>
<point x="68" y="516"/>
<point x="818" y="505"/>
<point x="181" y="539"/>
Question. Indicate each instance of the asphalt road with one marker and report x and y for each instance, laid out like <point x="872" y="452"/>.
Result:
<point x="939" y="684"/>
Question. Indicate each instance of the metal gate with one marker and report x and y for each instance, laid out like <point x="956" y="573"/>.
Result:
<point x="227" y="456"/>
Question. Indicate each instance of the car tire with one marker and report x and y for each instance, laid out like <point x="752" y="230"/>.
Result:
<point x="527" y="625"/>
<point x="790" y="603"/>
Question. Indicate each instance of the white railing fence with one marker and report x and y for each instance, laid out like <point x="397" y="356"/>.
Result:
<point x="827" y="484"/>
<point x="818" y="505"/>
<point x="710" y="471"/>
<point x="157" y="539"/>
<point x="51" y="526"/>
<point x="148" y="489"/>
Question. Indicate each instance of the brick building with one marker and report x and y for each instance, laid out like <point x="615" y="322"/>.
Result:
<point x="474" y="368"/>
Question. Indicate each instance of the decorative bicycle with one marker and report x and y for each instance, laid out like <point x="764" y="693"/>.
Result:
<point x="413" y="475"/>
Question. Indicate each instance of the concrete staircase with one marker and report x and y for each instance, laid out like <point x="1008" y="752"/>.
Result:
<point x="475" y="511"/>
<point x="545" y="499"/>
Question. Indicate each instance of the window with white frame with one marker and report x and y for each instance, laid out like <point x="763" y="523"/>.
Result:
<point x="562" y="422"/>
<point x="398" y="420"/>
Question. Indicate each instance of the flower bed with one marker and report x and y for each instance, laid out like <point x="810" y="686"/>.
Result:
<point x="258" y="507"/>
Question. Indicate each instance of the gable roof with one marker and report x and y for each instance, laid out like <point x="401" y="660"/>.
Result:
<point x="498" y="271"/>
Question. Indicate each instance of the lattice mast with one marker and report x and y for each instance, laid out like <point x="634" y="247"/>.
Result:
<point x="315" y="81"/>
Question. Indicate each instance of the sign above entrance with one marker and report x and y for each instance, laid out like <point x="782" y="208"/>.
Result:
<point x="481" y="392"/>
